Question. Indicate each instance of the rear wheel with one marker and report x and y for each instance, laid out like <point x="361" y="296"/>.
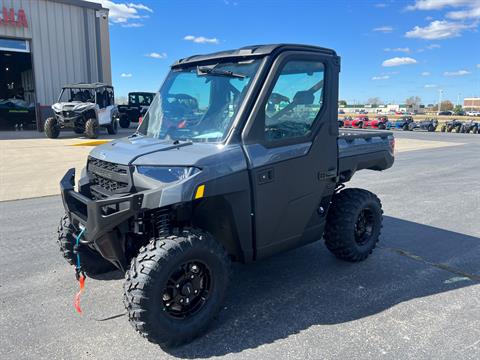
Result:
<point x="51" y="128"/>
<point x="353" y="225"/>
<point x="124" y="121"/>
<point x="175" y="286"/>
<point x="113" y="127"/>
<point x="443" y="128"/>
<point x="91" y="128"/>
<point x="431" y="128"/>
<point x="475" y="130"/>
<point x="381" y="126"/>
<point x="405" y="127"/>
<point x="91" y="261"/>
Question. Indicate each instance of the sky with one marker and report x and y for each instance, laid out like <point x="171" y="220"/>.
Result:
<point x="391" y="49"/>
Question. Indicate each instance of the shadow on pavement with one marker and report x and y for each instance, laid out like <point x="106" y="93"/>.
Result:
<point x="283" y="295"/>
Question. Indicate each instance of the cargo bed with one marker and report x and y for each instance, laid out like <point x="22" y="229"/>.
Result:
<point x="363" y="149"/>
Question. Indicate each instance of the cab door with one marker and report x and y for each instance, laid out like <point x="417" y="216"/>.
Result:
<point x="290" y="141"/>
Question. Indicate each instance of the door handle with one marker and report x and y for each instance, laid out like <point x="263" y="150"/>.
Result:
<point x="330" y="173"/>
<point x="265" y="176"/>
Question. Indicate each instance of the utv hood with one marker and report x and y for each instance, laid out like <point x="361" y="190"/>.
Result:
<point x="140" y="150"/>
<point x="76" y="106"/>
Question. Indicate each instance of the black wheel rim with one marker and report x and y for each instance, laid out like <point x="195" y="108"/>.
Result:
<point x="187" y="290"/>
<point x="364" y="226"/>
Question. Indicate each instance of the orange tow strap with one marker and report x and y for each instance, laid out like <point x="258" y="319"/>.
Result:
<point x="76" y="304"/>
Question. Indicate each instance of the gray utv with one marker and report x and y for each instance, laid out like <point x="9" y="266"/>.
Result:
<point x="84" y="108"/>
<point x="233" y="175"/>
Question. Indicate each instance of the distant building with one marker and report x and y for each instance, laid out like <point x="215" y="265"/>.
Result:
<point x="471" y="104"/>
<point x="383" y="109"/>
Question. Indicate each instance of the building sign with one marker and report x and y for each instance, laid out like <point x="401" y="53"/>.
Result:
<point x="7" y="17"/>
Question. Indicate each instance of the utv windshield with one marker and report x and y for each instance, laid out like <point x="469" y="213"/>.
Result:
<point x="81" y="95"/>
<point x="140" y="99"/>
<point x="199" y="103"/>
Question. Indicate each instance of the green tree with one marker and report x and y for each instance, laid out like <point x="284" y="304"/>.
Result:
<point x="458" y="108"/>
<point x="342" y="102"/>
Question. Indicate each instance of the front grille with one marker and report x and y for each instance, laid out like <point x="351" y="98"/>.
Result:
<point x="107" y="178"/>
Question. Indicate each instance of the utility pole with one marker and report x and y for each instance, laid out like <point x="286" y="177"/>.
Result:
<point x="440" y="93"/>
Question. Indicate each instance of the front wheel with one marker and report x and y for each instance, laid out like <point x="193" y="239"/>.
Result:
<point x="353" y="225"/>
<point x="175" y="286"/>
<point x="91" y="128"/>
<point x="431" y="128"/>
<point x="51" y="128"/>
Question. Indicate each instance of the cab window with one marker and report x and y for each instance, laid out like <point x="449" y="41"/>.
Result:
<point x="295" y="100"/>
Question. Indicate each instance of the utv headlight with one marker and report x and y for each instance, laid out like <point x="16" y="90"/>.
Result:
<point x="166" y="174"/>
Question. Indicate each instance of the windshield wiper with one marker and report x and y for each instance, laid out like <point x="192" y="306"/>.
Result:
<point x="204" y="70"/>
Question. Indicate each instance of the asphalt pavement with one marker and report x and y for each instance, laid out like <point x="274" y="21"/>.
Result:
<point x="416" y="297"/>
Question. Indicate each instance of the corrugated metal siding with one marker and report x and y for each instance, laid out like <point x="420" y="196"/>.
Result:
<point x="59" y="34"/>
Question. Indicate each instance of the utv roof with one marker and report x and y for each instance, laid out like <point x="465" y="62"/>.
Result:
<point x="252" y="52"/>
<point x="86" y="86"/>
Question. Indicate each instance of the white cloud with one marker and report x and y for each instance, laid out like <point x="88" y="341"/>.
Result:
<point x="406" y="49"/>
<point x="121" y="12"/>
<point x="433" y="46"/>
<point x="132" y="25"/>
<point x="397" y="61"/>
<point x="439" y="30"/>
<point x="155" y="55"/>
<point x="201" y="39"/>
<point x="126" y="75"/>
<point x="382" y="77"/>
<point x="425" y="73"/>
<point x="437" y="4"/>
<point x="380" y="5"/>
<point x="472" y="13"/>
<point x="429" y="86"/>
<point x="478" y="66"/>
<point x="384" y="29"/>
<point x="471" y="8"/>
<point x="140" y="7"/>
<point x="456" y="73"/>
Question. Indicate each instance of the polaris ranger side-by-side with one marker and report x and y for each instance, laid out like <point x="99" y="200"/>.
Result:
<point x="238" y="177"/>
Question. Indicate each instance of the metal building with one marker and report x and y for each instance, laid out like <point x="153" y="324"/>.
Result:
<point x="45" y="44"/>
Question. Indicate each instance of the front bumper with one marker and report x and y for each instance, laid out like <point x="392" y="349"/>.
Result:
<point x="68" y="122"/>
<point x="99" y="218"/>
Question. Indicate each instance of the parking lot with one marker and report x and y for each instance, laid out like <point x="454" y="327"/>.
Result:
<point x="417" y="297"/>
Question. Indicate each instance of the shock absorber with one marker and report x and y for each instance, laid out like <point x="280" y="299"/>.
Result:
<point x="161" y="222"/>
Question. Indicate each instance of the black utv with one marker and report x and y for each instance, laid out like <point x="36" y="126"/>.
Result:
<point x="429" y="125"/>
<point x="254" y="166"/>
<point x="452" y="125"/>
<point x="138" y="103"/>
<point x="470" y="127"/>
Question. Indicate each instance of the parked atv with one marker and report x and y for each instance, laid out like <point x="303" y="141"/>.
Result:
<point x="403" y="123"/>
<point x="380" y="123"/>
<point x="451" y="125"/>
<point x="84" y="108"/>
<point x="428" y="124"/>
<point x="138" y="103"/>
<point x="470" y="126"/>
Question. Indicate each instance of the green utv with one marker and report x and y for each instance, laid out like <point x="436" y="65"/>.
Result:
<point x="254" y="166"/>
